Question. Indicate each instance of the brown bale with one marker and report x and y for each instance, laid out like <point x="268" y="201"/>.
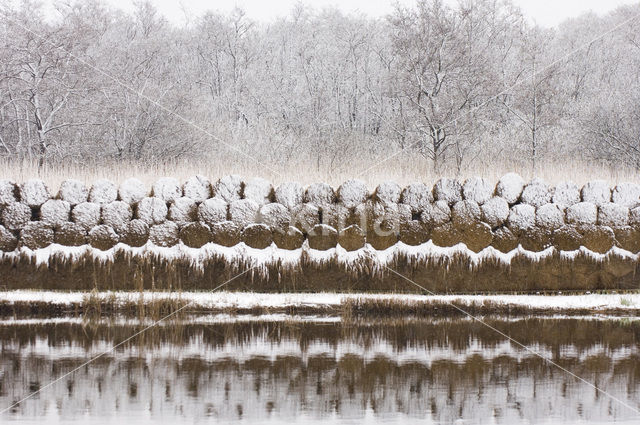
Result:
<point x="477" y="236"/>
<point x="36" y="235"/>
<point x="195" y="235"/>
<point x="536" y="239"/>
<point x="323" y="237"/>
<point x="70" y="234"/>
<point x="293" y="238"/>
<point x="628" y="237"/>
<point x="351" y="238"/>
<point x="257" y="235"/>
<point x="465" y="213"/>
<point x="597" y="238"/>
<point x="103" y="237"/>
<point x="225" y="233"/>
<point x="8" y="241"/>
<point x="414" y="232"/>
<point x="446" y="235"/>
<point x="165" y="234"/>
<point x="504" y="240"/>
<point x="337" y="216"/>
<point x="567" y="238"/>
<point x="136" y="233"/>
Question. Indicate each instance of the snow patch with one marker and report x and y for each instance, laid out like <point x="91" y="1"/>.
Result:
<point x="132" y="191"/>
<point x="536" y="193"/>
<point x="289" y="194"/>
<point x="152" y="210"/>
<point x="582" y="213"/>
<point x="566" y="194"/>
<point x="103" y="191"/>
<point x="258" y="190"/>
<point x="478" y="190"/>
<point x="448" y="190"/>
<point x="34" y="192"/>
<point x="495" y="211"/>
<point x="198" y="188"/>
<point x="167" y="188"/>
<point x="73" y="191"/>
<point x="55" y="212"/>
<point x="86" y="214"/>
<point x="596" y="192"/>
<point x="352" y="193"/>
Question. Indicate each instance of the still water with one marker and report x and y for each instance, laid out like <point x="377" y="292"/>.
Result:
<point x="292" y="370"/>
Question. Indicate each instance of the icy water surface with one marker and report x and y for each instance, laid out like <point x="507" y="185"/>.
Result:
<point x="222" y="370"/>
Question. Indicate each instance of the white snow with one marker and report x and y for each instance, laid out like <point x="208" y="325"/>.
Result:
<point x="116" y="214"/>
<point x="566" y="194"/>
<point x="15" y="215"/>
<point x="289" y="194"/>
<point x="536" y="193"/>
<point x="34" y="192"/>
<point x="132" y="191"/>
<point x="73" y="191"/>
<point x="198" y="188"/>
<point x="597" y="192"/>
<point x="152" y="210"/>
<point x="103" y="191"/>
<point x="477" y="189"/>
<point x="522" y="217"/>
<point x="550" y="216"/>
<point x="243" y="212"/>
<point x="388" y="193"/>
<point x="465" y="213"/>
<point x="165" y="234"/>
<point x="626" y="194"/>
<point x="213" y="210"/>
<point x="437" y="213"/>
<point x="55" y="212"/>
<point x="418" y="196"/>
<point x="86" y="214"/>
<point x="7" y="192"/>
<point x="582" y="213"/>
<point x="228" y="188"/>
<point x="352" y="193"/>
<point x="495" y="211"/>
<point x="319" y="194"/>
<point x="448" y="190"/>
<point x="510" y="187"/>
<point x="275" y="215"/>
<point x="167" y="188"/>
<point x="258" y="190"/>
<point x="611" y="214"/>
<point x="183" y="210"/>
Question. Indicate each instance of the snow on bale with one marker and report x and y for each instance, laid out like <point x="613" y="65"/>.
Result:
<point x="465" y="213"/>
<point x="36" y="235"/>
<point x="387" y="193"/>
<point x="504" y="240"/>
<point x="414" y="232"/>
<point x="86" y="214"/>
<point x="103" y="237"/>
<point x="598" y="239"/>
<point x="70" y="234"/>
<point x="436" y="214"/>
<point x="136" y="233"/>
<point x="549" y="216"/>
<point x="33" y="192"/>
<point x="167" y="188"/>
<point x="243" y="212"/>
<point x="323" y="237"/>
<point x="567" y="238"/>
<point x="382" y="222"/>
<point x="611" y="214"/>
<point x="351" y="238"/>
<point x="289" y="194"/>
<point x="165" y="234"/>
<point x="228" y="188"/>
<point x="336" y="216"/>
<point x="195" y="235"/>
<point x="305" y="216"/>
<point x="132" y="191"/>
<point x="292" y="238"/>
<point x="276" y="216"/>
<point x="319" y="194"/>
<point x="566" y="194"/>
<point x="495" y="211"/>
<point x="536" y="193"/>
<point x="352" y="193"/>
<point x="16" y="215"/>
<point x="418" y="196"/>
<point x="73" y="191"/>
<point x="257" y="235"/>
<point x="477" y="236"/>
<point x="225" y="233"/>
<point x="8" y="191"/>
<point x="8" y="242"/>
<point x="152" y="210"/>
<point x="510" y="187"/>
<point x="596" y="192"/>
<point x="197" y="188"/>
<point x="626" y="194"/>
<point x="522" y="218"/>
<point x="116" y="214"/>
<point x="477" y="189"/>
<point x="183" y="210"/>
<point x="213" y="210"/>
<point x="55" y="212"/>
<point x="258" y="190"/>
<point x="582" y="213"/>
<point x="448" y="190"/>
<point x="103" y="191"/>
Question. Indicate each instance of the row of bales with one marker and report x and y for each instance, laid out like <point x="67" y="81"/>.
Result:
<point x="232" y="210"/>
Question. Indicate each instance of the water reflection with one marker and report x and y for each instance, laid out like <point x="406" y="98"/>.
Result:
<point x="437" y="371"/>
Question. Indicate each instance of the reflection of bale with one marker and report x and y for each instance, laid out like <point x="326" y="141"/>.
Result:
<point x="152" y="210"/>
<point x="628" y="238"/>
<point x="414" y="232"/>
<point x="36" y="234"/>
<point x="103" y="191"/>
<point x="495" y="211"/>
<point x="510" y="187"/>
<point x="243" y="212"/>
<point x="136" y="233"/>
<point x="225" y="233"/>
<point x="567" y="238"/>
<point x="257" y="235"/>
<point x="55" y="212"/>
<point x="276" y="216"/>
<point x="351" y="238"/>
<point x="610" y="214"/>
<point x="183" y="210"/>
<point x="418" y="196"/>
<point x="596" y="192"/>
<point x="197" y="188"/>
<point x="537" y="239"/>
<point x="103" y="237"/>
<point x="566" y="194"/>
<point x="116" y="214"/>
<point x="70" y="234"/>
<point x="86" y="214"/>
<point x="165" y="234"/>
<point x="33" y="192"/>
<point x="319" y="194"/>
<point x="387" y="193"/>
<point x="290" y="239"/>
<point x="289" y="194"/>
<point x="167" y="188"/>
<point x="213" y="211"/>
<point x="306" y="216"/>
<point x="323" y="237"/>
<point x="448" y="190"/>
<point x="504" y="240"/>
<point x="195" y="235"/>
<point x="477" y="189"/>
<point x="336" y="216"/>
<point x="132" y="191"/>
<point x="549" y="216"/>
<point x="352" y="193"/>
<point x="16" y="215"/>
<point x="445" y="235"/>
<point x="436" y="214"/>
<point x="597" y="238"/>
<point x="228" y="188"/>
<point x="8" y="242"/>
<point x="73" y="191"/>
<point x="465" y="213"/>
<point x="258" y="190"/>
<point x="536" y="193"/>
<point x="8" y="192"/>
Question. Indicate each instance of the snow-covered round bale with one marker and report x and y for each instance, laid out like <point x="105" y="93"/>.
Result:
<point x="103" y="191"/>
<point x="414" y="232"/>
<point x="382" y="222"/>
<point x="305" y="216"/>
<point x="8" y="242"/>
<point x="183" y="210"/>
<point x="257" y="235"/>
<point x="289" y="194"/>
<point x="33" y="192"/>
<point x="70" y="234"/>
<point x="258" y="190"/>
<point x="567" y="238"/>
<point x="598" y="239"/>
<point x="16" y="215"/>
<point x="510" y="187"/>
<point x="626" y="194"/>
<point x="352" y="193"/>
<point x="73" y="191"/>
<point x="566" y="194"/>
<point x="418" y="196"/>
<point x="165" y="234"/>
<point x="197" y="188"/>
<point x="136" y="233"/>
<point x="167" y="188"/>
<point x="319" y="194"/>
<point x="582" y="213"/>
<point x="387" y="193"/>
<point x="536" y="193"/>
<point x="495" y="211"/>
<point x="103" y="237"/>
<point x="477" y="189"/>
<point x="276" y="216"/>
<point x="549" y="216"/>
<point x="228" y="188"/>
<point x="195" y="235"/>
<point x="55" y="212"/>
<point x="132" y="191"/>
<point x="116" y="214"/>
<point x="323" y="237"/>
<point x="436" y="214"/>
<point x="243" y="212"/>
<point x="504" y="240"/>
<point x="8" y="191"/>
<point x="351" y="238"/>
<point x="448" y="190"/>
<point x="225" y="233"/>
<point x="290" y="239"/>
<point x="213" y="210"/>
<point x="152" y="210"/>
<point x="522" y="217"/>
<point x="336" y="216"/>
<point x="465" y="213"/>
<point x="86" y="214"/>
<point x="612" y="214"/>
<point x="596" y="192"/>
<point x="36" y="235"/>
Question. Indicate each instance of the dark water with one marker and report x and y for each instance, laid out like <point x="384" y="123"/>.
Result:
<point x="291" y="371"/>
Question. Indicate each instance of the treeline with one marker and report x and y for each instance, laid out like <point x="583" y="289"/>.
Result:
<point x="452" y="86"/>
